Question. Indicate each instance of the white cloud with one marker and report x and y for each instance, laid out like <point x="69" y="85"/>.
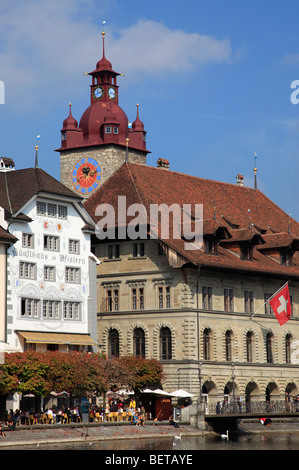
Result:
<point x="152" y="47"/>
<point x="45" y="48"/>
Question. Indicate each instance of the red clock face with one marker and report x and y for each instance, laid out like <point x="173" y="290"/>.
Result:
<point x="86" y="175"/>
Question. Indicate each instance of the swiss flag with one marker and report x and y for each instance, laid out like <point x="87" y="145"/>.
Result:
<point x="281" y="305"/>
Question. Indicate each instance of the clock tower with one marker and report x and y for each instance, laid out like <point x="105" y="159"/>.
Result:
<point x="93" y="149"/>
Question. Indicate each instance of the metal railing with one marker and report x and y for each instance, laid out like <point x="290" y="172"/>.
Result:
<point x="279" y="406"/>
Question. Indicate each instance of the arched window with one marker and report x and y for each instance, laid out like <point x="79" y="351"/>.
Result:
<point x="228" y="345"/>
<point x="249" y="349"/>
<point x="139" y="342"/>
<point x="269" y="347"/>
<point x="288" y="342"/>
<point x="207" y="344"/>
<point x="113" y="341"/>
<point x="165" y="343"/>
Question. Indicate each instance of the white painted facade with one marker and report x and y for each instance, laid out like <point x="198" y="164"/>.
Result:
<point x="49" y="287"/>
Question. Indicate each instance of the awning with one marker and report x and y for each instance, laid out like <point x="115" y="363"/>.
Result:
<point x="56" y="338"/>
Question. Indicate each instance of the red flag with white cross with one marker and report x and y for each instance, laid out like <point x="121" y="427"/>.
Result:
<point x="281" y="305"/>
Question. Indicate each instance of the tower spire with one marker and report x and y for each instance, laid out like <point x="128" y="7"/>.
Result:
<point x="36" y="156"/>
<point x="103" y="37"/>
<point x="255" y="170"/>
<point x="36" y="152"/>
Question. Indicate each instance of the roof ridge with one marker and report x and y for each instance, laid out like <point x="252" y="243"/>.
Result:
<point x="195" y="177"/>
<point x="7" y="193"/>
<point x="135" y="186"/>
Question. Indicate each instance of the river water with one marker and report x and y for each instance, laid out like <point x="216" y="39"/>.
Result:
<point x="259" y="441"/>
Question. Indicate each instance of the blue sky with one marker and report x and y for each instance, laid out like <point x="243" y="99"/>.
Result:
<point x="212" y="78"/>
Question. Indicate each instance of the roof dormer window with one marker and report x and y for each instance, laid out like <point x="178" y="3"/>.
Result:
<point x="210" y="245"/>
<point x="246" y="252"/>
<point x="286" y="258"/>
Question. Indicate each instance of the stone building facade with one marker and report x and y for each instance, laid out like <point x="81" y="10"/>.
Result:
<point x="202" y="311"/>
<point x="110" y="158"/>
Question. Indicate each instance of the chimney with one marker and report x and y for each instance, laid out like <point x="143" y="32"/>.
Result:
<point x="240" y="179"/>
<point x="162" y="163"/>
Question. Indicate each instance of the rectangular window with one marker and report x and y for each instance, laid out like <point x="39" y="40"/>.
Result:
<point x="74" y="247"/>
<point x="164" y="297"/>
<point x="210" y="246"/>
<point x="113" y="251"/>
<point x="268" y="308"/>
<point x="160" y="297"/>
<point x="138" y="298"/>
<point x="286" y="258"/>
<point x="52" y="210"/>
<point x="51" y="243"/>
<point x="29" y="346"/>
<point x="30" y="308"/>
<point x="112" y="300"/>
<point x="41" y="208"/>
<point x="51" y="309"/>
<point x="72" y="275"/>
<point x="138" y="249"/>
<point x="27" y="270"/>
<point x="115" y="130"/>
<point x="207" y="297"/>
<point x="228" y="300"/>
<point x="167" y="297"/>
<point x="248" y="301"/>
<point x="71" y="310"/>
<point x="49" y="273"/>
<point x="62" y="212"/>
<point x="108" y="130"/>
<point x="27" y="240"/>
<point x="246" y="253"/>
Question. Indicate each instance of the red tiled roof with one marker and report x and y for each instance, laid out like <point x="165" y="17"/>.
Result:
<point x="227" y="204"/>
<point x="6" y="237"/>
<point x="244" y="235"/>
<point x="279" y="240"/>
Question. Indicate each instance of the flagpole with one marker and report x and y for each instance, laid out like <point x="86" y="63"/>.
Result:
<point x="270" y="298"/>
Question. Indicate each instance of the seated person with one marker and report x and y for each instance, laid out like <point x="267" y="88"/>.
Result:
<point x="140" y="420"/>
<point x="173" y="422"/>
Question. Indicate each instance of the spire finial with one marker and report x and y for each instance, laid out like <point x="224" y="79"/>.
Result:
<point x="103" y="37"/>
<point x="255" y="170"/>
<point x="36" y="156"/>
<point x="36" y="153"/>
<point x="127" y="149"/>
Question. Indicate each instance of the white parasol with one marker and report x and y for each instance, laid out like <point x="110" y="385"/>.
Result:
<point x="181" y="394"/>
<point x="157" y="391"/>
